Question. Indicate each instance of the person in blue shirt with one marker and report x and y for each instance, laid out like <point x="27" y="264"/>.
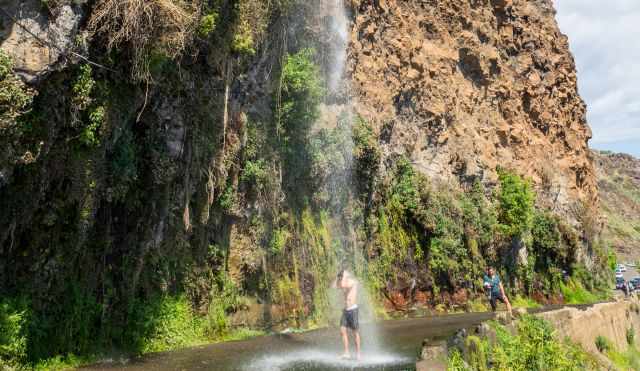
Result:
<point x="493" y="284"/>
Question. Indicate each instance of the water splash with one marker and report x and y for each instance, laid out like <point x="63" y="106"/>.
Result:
<point x="324" y="360"/>
<point x="340" y="110"/>
<point x="337" y="115"/>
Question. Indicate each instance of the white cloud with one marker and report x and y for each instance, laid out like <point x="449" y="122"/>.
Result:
<point x="605" y="39"/>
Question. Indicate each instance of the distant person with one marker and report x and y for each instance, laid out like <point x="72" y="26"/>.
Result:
<point x="496" y="291"/>
<point x="349" y="320"/>
<point x="625" y="288"/>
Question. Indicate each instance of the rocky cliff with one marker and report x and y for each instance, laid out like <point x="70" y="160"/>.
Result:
<point x="191" y="167"/>
<point x="465" y="87"/>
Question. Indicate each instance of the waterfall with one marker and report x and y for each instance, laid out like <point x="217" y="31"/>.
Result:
<point x="337" y="116"/>
<point x="340" y="100"/>
<point x="339" y="31"/>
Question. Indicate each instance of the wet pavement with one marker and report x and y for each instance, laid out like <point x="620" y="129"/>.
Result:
<point x="390" y="345"/>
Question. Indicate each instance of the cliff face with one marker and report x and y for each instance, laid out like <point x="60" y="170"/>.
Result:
<point x="57" y="31"/>
<point x="465" y="87"/>
<point x="218" y="164"/>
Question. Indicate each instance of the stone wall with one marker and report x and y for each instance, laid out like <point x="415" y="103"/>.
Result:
<point x="611" y="320"/>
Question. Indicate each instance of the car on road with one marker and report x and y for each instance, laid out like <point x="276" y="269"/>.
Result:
<point x="619" y="275"/>
<point x="621" y="268"/>
<point x="619" y="283"/>
<point x="635" y="282"/>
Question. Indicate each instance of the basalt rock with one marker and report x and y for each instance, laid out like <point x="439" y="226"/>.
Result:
<point x="463" y="88"/>
<point x="39" y="41"/>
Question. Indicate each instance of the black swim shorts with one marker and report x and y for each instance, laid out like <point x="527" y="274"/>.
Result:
<point x="350" y="319"/>
<point x="494" y="301"/>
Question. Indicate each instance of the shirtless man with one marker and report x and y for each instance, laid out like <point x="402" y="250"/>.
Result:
<point x="349" y="321"/>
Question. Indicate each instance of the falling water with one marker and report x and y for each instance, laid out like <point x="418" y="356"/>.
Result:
<point x="337" y="115"/>
<point x="339" y="31"/>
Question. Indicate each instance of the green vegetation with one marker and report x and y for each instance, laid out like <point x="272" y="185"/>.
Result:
<point x="455" y="234"/>
<point x="15" y="97"/>
<point x="524" y="302"/>
<point x="13" y="339"/>
<point x="224" y="300"/>
<point x="575" y="293"/>
<point x="163" y="324"/>
<point x="296" y="111"/>
<point x="535" y="346"/>
<point x="623" y="360"/>
<point x="208" y="23"/>
<point x="456" y="362"/>
<point x="602" y="344"/>
<point x="243" y="41"/>
<point x="227" y="199"/>
<point x="515" y="200"/>
<point x="15" y="100"/>
<point x="83" y="88"/>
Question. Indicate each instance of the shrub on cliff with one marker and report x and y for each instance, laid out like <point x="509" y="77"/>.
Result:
<point x="296" y="111"/>
<point x="15" y="97"/>
<point x="534" y="346"/>
<point x="13" y="332"/>
<point x="516" y="204"/>
<point x="15" y="100"/>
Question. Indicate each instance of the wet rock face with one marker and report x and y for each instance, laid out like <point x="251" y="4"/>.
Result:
<point x="464" y="87"/>
<point x="56" y="35"/>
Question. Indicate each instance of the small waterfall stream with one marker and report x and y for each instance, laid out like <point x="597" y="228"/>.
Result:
<point x="337" y="115"/>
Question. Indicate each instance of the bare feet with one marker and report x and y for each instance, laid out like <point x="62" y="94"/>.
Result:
<point x="345" y="356"/>
<point x="359" y="357"/>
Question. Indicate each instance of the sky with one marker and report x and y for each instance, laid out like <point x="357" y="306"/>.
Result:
<point x="604" y="36"/>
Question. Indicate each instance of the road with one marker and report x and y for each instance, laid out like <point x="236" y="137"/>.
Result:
<point x="390" y="345"/>
<point x="632" y="272"/>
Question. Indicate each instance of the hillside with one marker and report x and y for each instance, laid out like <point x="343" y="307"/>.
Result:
<point x="619" y="190"/>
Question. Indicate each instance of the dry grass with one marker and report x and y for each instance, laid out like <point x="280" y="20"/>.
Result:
<point x="146" y="26"/>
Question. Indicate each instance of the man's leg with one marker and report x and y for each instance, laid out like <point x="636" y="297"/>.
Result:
<point x="356" y="335"/>
<point x="506" y="301"/>
<point x="345" y="341"/>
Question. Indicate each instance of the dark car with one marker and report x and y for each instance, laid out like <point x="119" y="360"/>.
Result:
<point x="619" y="283"/>
<point x="636" y="283"/>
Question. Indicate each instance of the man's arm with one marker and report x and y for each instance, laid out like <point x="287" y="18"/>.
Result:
<point x="502" y="290"/>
